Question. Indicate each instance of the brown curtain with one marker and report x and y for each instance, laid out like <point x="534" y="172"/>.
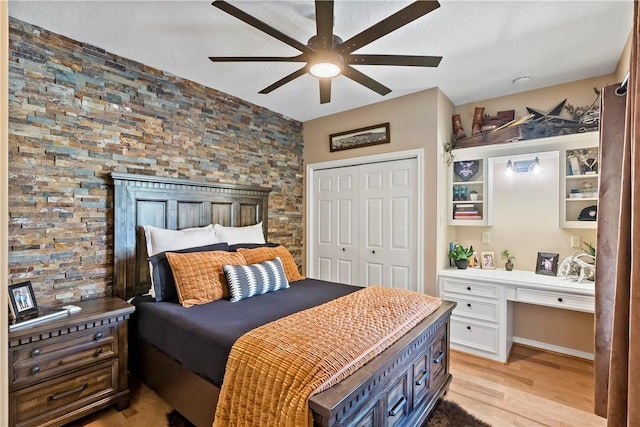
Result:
<point x="617" y="334"/>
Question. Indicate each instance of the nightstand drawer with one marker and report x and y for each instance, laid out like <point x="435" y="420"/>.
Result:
<point x="470" y="289"/>
<point x="34" y="405"/>
<point x="48" y="358"/>
<point x="473" y="308"/>
<point x="557" y="299"/>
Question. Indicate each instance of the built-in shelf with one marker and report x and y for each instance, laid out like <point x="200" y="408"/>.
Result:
<point x="467" y="195"/>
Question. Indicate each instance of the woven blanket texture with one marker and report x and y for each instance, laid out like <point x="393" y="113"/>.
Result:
<point x="274" y="369"/>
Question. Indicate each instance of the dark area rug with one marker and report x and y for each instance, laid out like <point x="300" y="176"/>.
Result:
<point x="450" y="414"/>
<point x="446" y="414"/>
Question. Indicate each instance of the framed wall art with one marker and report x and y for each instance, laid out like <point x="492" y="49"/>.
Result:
<point x="22" y="300"/>
<point x="547" y="263"/>
<point x="370" y="135"/>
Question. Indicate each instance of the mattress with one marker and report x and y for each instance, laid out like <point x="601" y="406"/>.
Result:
<point x="201" y="337"/>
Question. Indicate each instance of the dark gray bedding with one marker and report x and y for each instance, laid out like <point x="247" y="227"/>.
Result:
<point x="201" y="337"/>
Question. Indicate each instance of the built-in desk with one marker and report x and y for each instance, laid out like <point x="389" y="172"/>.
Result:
<point x="482" y="322"/>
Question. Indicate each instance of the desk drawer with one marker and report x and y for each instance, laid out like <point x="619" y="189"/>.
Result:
<point x="470" y="334"/>
<point x="556" y="299"/>
<point x="473" y="308"/>
<point x="59" y="396"/>
<point x="468" y="288"/>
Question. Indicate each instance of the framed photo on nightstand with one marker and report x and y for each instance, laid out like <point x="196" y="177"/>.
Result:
<point x="22" y="300"/>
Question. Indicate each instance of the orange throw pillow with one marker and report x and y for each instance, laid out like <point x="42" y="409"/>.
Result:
<point x="199" y="276"/>
<point x="258" y="255"/>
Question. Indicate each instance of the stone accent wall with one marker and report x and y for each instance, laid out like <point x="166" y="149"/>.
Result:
<point x="78" y="113"/>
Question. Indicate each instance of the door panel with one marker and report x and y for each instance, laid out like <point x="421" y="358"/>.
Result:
<point x="364" y="230"/>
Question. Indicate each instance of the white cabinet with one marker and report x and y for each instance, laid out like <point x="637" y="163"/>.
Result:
<point x="468" y="202"/>
<point x="579" y="186"/>
<point x="482" y="322"/>
<point x="478" y="323"/>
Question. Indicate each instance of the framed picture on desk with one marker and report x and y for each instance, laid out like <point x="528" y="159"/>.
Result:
<point x="547" y="263"/>
<point x="22" y="300"/>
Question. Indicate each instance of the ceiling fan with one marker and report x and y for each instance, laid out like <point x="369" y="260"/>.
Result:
<point x="327" y="55"/>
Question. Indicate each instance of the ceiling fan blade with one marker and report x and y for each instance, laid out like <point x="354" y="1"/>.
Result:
<point x="325" y="91"/>
<point x="324" y="23"/>
<point x="402" y="60"/>
<point x="402" y="17"/>
<point x="299" y="58"/>
<point x="256" y="23"/>
<point x="365" y="80"/>
<point x="285" y="80"/>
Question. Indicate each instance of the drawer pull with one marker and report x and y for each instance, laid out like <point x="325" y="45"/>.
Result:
<point x="35" y="352"/>
<point x="67" y="393"/>
<point x="468" y="288"/>
<point x="98" y="336"/>
<point x="398" y="406"/>
<point x="439" y="358"/>
<point x="422" y="377"/>
<point x="559" y="299"/>
<point x="469" y="305"/>
<point x="469" y="328"/>
<point x="98" y="352"/>
<point x="35" y="370"/>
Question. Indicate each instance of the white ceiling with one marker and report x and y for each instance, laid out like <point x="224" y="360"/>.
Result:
<point x="484" y="44"/>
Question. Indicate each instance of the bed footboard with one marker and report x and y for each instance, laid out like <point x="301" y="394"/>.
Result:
<point x="399" y="387"/>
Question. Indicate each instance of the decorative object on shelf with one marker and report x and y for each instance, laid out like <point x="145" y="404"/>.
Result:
<point x="476" y="259"/>
<point x="466" y="169"/>
<point x="466" y="211"/>
<point x="22" y="300"/>
<point x="507" y="255"/>
<point x="587" y="115"/>
<point x="547" y="263"/>
<point x="473" y="195"/>
<point x="478" y="115"/>
<point x="458" y="130"/>
<point x="590" y="213"/>
<point x="490" y="123"/>
<point x="460" y="255"/>
<point x="579" y="266"/>
<point x="488" y="260"/>
<point x="583" y="161"/>
<point x="370" y="135"/>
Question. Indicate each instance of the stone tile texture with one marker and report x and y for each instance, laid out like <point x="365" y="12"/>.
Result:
<point x="78" y="113"/>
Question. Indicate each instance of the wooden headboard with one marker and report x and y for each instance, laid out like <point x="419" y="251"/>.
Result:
<point x="174" y="204"/>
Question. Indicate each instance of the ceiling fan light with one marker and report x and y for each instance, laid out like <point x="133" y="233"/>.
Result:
<point x="325" y="70"/>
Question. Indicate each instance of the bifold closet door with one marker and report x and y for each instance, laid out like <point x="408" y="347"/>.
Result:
<point x="335" y="228"/>
<point x="387" y="224"/>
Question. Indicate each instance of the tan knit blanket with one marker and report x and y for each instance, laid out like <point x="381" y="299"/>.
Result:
<point x="274" y="369"/>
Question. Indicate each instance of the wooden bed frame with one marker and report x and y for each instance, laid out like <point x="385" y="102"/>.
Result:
<point x="399" y="387"/>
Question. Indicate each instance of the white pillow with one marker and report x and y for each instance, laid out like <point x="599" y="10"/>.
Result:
<point x="162" y="240"/>
<point x="235" y="235"/>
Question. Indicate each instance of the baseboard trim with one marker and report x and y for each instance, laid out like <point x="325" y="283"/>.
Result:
<point x="554" y="348"/>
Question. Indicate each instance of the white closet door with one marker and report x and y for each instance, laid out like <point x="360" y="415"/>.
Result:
<point x="387" y="224"/>
<point x="334" y="228"/>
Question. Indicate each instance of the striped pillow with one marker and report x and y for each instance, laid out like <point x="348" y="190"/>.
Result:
<point x="246" y="281"/>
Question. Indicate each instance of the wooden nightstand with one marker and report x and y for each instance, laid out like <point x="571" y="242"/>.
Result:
<point x="66" y="368"/>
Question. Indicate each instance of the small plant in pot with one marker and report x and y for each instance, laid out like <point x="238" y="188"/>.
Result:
<point x="460" y="256"/>
<point x="507" y="255"/>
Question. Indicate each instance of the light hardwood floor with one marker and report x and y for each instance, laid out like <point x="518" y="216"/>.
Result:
<point x="536" y="388"/>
